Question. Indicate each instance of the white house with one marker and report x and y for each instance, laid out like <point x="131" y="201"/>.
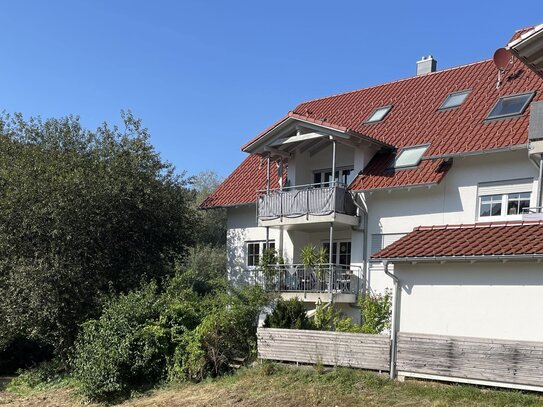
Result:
<point x="433" y="181"/>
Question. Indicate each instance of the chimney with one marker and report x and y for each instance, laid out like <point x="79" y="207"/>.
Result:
<point x="426" y="65"/>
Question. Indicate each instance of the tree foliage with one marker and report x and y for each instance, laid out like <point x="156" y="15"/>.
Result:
<point x="82" y="215"/>
<point x="181" y="333"/>
<point x="211" y="225"/>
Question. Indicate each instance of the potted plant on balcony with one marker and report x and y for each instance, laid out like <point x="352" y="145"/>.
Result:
<point x="308" y="256"/>
<point x="322" y="268"/>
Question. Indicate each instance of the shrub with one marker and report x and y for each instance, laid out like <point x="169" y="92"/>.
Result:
<point x="289" y="314"/>
<point x="145" y="337"/>
<point x="226" y="336"/>
<point x="376" y="312"/>
<point x="122" y="349"/>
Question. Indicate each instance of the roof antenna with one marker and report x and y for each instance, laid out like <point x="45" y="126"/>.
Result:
<point x="502" y="59"/>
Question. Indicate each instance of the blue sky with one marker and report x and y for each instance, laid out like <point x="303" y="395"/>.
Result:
<point x="206" y="76"/>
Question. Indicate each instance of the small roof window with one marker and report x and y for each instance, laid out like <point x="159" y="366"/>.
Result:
<point x="511" y="105"/>
<point x="454" y="99"/>
<point x="378" y="114"/>
<point x="410" y="156"/>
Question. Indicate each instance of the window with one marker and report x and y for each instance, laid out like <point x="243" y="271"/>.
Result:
<point x="491" y="205"/>
<point x="378" y="114"/>
<point x="454" y="100"/>
<point x="504" y="199"/>
<point x="341" y="252"/>
<point x="253" y="252"/>
<point x="410" y="156"/>
<point x="516" y="203"/>
<point x="324" y="177"/>
<point x="510" y="105"/>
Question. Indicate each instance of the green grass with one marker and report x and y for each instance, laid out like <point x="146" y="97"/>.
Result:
<point x="270" y="384"/>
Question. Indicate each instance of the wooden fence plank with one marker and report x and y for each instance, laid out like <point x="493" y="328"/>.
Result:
<point x="329" y="348"/>
<point x="496" y="360"/>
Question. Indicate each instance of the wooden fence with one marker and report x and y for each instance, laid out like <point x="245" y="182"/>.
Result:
<point x="364" y="351"/>
<point x="505" y="363"/>
<point x="492" y="362"/>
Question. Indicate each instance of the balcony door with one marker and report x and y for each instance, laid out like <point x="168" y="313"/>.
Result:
<point x="324" y="178"/>
<point x="341" y="252"/>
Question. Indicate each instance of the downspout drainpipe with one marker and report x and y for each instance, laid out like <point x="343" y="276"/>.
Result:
<point x="267" y="192"/>
<point x="539" y="186"/>
<point x="331" y="248"/>
<point x="539" y="166"/>
<point x="395" y="319"/>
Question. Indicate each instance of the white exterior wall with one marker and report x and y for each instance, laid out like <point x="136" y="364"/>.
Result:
<point x="488" y="300"/>
<point x="453" y="201"/>
<point x="242" y="228"/>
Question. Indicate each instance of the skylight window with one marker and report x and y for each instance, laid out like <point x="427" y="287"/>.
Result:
<point x="378" y="114"/>
<point x="510" y="105"/>
<point x="454" y="100"/>
<point x="410" y="156"/>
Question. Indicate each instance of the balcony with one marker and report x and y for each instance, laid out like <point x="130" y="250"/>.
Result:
<point x="338" y="282"/>
<point x="533" y="213"/>
<point x="305" y="205"/>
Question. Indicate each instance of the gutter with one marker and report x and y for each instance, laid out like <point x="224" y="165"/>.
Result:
<point x="479" y="152"/>
<point x="395" y="320"/>
<point x="430" y="259"/>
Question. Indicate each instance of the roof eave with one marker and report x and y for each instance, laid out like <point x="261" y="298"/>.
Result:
<point x="293" y="118"/>
<point x="468" y="258"/>
<point x="528" y="48"/>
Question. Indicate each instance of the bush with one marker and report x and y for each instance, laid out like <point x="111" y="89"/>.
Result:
<point x="376" y="312"/>
<point x="289" y="314"/>
<point x="185" y="332"/>
<point x="122" y="349"/>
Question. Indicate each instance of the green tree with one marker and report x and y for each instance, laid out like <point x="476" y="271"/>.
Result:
<point x="83" y="215"/>
<point x="211" y="226"/>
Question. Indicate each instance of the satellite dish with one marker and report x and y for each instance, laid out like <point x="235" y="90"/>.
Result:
<point x="501" y="58"/>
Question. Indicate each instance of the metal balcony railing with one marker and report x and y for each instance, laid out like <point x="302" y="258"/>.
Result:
<point x="305" y="200"/>
<point x="534" y="209"/>
<point x="532" y="214"/>
<point x="323" y="278"/>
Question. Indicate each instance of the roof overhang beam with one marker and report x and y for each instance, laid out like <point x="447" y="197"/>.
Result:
<point x="282" y="135"/>
<point x="529" y="49"/>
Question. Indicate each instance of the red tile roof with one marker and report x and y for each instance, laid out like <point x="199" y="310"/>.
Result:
<point x="242" y="185"/>
<point x="379" y="173"/>
<point x="484" y="239"/>
<point x="414" y="119"/>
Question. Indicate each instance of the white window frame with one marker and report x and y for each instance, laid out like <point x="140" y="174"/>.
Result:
<point x="261" y="245"/>
<point x="503" y="189"/>
<point x="339" y="170"/>
<point x="326" y="244"/>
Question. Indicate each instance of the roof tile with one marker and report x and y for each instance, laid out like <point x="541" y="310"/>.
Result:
<point x="483" y="239"/>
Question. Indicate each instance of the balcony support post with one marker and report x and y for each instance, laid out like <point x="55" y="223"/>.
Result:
<point x="333" y="161"/>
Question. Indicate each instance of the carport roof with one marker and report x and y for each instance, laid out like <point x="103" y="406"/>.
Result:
<point x="497" y="240"/>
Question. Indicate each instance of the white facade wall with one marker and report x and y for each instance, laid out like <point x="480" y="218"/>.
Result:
<point x="453" y="201"/>
<point x="488" y="300"/>
<point x="459" y="290"/>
